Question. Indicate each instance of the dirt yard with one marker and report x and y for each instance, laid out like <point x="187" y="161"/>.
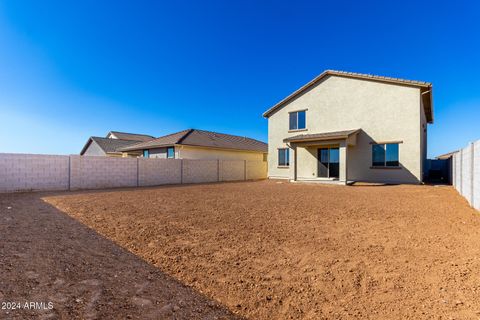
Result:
<point x="261" y="250"/>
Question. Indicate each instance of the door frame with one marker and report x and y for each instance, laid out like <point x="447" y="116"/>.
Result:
<point x="329" y="162"/>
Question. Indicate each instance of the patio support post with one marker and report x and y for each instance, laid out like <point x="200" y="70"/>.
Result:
<point x="343" y="162"/>
<point x="293" y="162"/>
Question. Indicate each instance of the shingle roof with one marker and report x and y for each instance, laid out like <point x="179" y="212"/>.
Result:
<point x="322" y="136"/>
<point x="425" y="86"/>
<point x="131" y="136"/>
<point x="108" y="145"/>
<point x="202" y="138"/>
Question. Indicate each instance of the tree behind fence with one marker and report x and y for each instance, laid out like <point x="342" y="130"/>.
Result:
<point x="466" y="173"/>
<point x="27" y="172"/>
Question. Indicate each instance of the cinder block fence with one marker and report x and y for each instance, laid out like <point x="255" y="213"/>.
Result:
<point x="466" y="173"/>
<point x="27" y="172"/>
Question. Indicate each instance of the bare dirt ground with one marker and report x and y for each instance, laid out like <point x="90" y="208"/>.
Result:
<point x="263" y="250"/>
<point x="48" y="257"/>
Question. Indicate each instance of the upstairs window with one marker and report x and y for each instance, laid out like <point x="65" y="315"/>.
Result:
<point x="170" y="153"/>
<point x="385" y="155"/>
<point x="146" y="154"/>
<point x="283" y="157"/>
<point x="298" y="120"/>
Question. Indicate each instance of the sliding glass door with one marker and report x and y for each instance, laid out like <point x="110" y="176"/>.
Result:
<point x="328" y="163"/>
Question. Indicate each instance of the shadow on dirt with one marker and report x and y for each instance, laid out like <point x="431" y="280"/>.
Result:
<point x="48" y="257"/>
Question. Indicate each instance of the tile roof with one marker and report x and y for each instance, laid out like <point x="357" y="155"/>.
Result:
<point x="131" y="136"/>
<point x="322" y="136"/>
<point x="108" y="145"/>
<point x="167" y="140"/>
<point x="382" y="78"/>
<point x="202" y="138"/>
<point x="426" y="86"/>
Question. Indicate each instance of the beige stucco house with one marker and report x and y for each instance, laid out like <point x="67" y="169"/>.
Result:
<point x="200" y="144"/>
<point x="345" y="127"/>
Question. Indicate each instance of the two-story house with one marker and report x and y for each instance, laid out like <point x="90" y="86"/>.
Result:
<point x="345" y="127"/>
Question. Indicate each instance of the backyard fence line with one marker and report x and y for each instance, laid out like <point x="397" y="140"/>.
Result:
<point x="466" y="173"/>
<point x="29" y="172"/>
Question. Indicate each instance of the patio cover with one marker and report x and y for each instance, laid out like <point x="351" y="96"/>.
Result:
<point x="334" y="135"/>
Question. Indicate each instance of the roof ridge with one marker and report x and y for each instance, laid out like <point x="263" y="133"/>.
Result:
<point x="104" y="138"/>
<point x="228" y="134"/>
<point x="189" y="131"/>
<point x="371" y="75"/>
<point x="171" y="134"/>
<point x="136" y="134"/>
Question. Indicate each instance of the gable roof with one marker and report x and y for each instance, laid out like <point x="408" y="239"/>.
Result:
<point x="426" y="89"/>
<point x="108" y="145"/>
<point x="202" y="138"/>
<point x="131" y="136"/>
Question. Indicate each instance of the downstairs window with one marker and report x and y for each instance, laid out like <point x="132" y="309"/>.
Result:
<point x="385" y="155"/>
<point x="283" y="157"/>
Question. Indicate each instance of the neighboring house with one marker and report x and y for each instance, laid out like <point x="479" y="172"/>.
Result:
<point x="446" y="156"/>
<point x="351" y="127"/>
<point x="98" y="146"/>
<point x="441" y="169"/>
<point x="129" y="136"/>
<point x="200" y="144"/>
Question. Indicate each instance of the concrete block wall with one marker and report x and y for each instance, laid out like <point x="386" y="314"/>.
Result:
<point x="198" y="171"/>
<point x="466" y="173"/>
<point x="102" y="172"/>
<point x="31" y="172"/>
<point x="231" y="170"/>
<point x="476" y="175"/>
<point x="27" y="172"/>
<point x="456" y="174"/>
<point x="154" y="172"/>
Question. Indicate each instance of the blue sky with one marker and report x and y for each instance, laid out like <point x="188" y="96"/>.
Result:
<point x="69" y="70"/>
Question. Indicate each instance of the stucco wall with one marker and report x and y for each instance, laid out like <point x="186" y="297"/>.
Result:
<point x="256" y="170"/>
<point x="384" y="112"/>
<point x="94" y="149"/>
<point x="188" y="152"/>
<point x="24" y="172"/>
<point x="161" y="153"/>
<point x="423" y="135"/>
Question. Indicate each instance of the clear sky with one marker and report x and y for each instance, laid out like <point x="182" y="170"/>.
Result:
<point x="72" y="69"/>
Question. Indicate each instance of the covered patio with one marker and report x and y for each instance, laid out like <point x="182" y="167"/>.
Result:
<point x="321" y="157"/>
